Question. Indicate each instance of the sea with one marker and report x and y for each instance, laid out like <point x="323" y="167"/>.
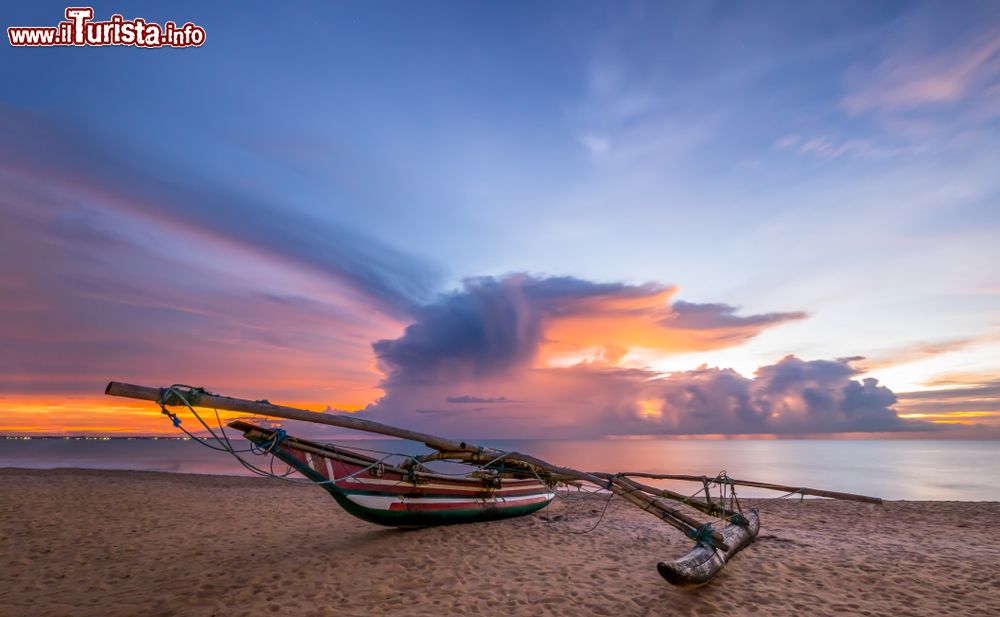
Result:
<point x="891" y="469"/>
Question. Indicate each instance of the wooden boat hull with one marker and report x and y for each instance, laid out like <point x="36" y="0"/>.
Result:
<point x="391" y="496"/>
<point x="701" y="565"/>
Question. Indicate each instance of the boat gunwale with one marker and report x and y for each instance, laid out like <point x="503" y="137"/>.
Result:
<point x="345" y="455"/>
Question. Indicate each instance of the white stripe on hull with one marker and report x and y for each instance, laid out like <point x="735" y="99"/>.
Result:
<point x="385" y="502"/>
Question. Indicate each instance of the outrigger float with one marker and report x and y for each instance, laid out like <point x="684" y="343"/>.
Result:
<point x="501" y="485"/>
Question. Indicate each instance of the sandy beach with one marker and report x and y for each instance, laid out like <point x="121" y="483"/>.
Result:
<point x="79" y="543"/>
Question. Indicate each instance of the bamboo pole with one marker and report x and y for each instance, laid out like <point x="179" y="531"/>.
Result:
<point x="200" y="398"/>
<point x="774" y="487"/>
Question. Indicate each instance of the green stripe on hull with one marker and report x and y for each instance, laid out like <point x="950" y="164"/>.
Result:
<point x="430" y="518"/>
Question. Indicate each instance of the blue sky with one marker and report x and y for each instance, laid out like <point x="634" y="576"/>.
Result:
<point x="833" y="159"/>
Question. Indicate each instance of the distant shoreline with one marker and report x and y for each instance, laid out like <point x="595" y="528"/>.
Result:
<point x="645" y="438"/>
<point x="92" y="438"/>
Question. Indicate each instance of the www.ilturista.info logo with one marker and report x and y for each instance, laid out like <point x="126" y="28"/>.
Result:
<point x="79" y="29"/>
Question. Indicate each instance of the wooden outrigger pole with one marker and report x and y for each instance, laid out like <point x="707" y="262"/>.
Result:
<point x="786" y="488"/>
<point x="713" y="547"/>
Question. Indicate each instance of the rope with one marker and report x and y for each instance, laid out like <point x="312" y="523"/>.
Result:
<point x="273" y="442"/>
<point x="225" y="445"/>
<point x="703" y="535"/>
<point x="600" y="519"/>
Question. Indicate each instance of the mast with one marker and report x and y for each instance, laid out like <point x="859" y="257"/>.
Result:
<point x="197" y="397"/>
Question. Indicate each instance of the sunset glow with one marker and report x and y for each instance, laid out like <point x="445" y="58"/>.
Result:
<point x="763" y="224"/>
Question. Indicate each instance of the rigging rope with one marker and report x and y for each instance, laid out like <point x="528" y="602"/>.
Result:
<point x="168" y="396"/>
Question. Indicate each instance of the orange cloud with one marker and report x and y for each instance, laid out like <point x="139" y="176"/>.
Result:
<point x="606" y="327"/>
<point x="972" y="399"/>
<point x="922" y="351"/>
<point x="99" y="414"/>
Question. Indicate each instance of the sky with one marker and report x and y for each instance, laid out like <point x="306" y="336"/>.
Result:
<point x="559" y="220"/>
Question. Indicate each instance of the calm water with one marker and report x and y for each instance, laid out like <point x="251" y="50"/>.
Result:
<point x="939" y="470"/>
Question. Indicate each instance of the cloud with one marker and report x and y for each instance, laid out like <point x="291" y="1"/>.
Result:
<point x="84" y="303"/>
<point x="109" y="270"/>
<point x="830" y="148"/>
<point x="595" y="144"/>
<point x="493" y="325"/>
<point x="45" y="158"/>
<point x="787" y="141"/>
<point x="920" y="351"/>
<point x="478" y="399"/>
<point x="715" y="316"/>
<point x="790" y="397"/>
<point x="920" y="71"/>
<point x="502" y="334"/>
<point x="969" y="400"/>
<point x="489" y="326"/>
<point x="960" y="378"/>
<point x="827" y="148"/>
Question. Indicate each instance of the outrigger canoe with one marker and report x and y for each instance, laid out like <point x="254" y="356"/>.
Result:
<point x="501" y="484"/>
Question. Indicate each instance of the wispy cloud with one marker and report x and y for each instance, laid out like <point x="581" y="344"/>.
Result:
<point x="63" y="159"/>
<point x="109" y="270"/>
<point x="920" y="351"/>
<point x="597" y="145"/>
<point x="918" y="71"/>
<point x="465" y="399"/>
<point x="967" y="403"/>
<point x="830" y="148"/>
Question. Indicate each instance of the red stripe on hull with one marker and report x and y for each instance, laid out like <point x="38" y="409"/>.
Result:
<point x="474" y="491"/>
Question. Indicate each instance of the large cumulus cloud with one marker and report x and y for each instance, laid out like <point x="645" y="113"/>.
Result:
<point x="790" y="396"/>
<point x="492" y="325"/>
<point x="492" y="341"/>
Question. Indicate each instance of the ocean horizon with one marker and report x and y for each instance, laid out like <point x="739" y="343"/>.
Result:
<point x="939" y="470"/>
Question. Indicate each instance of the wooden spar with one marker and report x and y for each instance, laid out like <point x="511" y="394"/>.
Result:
<point x="667" y="513"/>
<point x="697" y="504"/>
<point x="656" y="507"/>
<point x="774" y="487"/>
<point x="200" y="398"/>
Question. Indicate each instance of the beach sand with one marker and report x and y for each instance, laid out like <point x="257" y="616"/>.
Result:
<point x="80" y="543"/>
